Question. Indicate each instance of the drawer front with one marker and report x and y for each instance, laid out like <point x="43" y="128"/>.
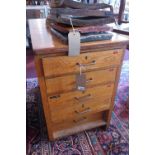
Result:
<point x="68" y="82"/>
<point x="72" y="98"/>
<point x="78" y="121"/>
<point x="60" y="65"/>
<point x="80" y="110"/>
<point x="75" y="104"/>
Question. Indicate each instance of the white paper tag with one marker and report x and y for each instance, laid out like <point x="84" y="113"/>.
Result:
<point x="74" y="43"/>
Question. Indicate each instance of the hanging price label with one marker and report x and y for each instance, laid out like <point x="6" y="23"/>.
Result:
<point x="74" y="43"/>
<point x="81" y="80"/>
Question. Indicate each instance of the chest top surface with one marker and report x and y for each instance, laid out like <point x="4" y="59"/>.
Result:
<point x="43" y="42"/>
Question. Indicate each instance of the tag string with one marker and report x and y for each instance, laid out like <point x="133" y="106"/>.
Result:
<point x="116" y="22"/>
<point x="72" y="25"/>
<point x="80" y="69"/>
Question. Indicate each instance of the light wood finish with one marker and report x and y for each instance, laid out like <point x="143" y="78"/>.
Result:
<point x="94" y="95"/>
<point x="55" y="66"/>
<point x="75" y="104"/>
<point x="78" y="121"/>
<point x="68" y="83"/>
<point x="78" y="111"/>
<point x="74" y="129"/>
<point x="44" y="96"/>
<point x="67" y="110"/>
<point x="77" y="125"/>
<point x="114" y="92"/>
<point x="45" y="43"/>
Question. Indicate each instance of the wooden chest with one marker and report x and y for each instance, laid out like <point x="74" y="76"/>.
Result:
<point x="66" y="109"/>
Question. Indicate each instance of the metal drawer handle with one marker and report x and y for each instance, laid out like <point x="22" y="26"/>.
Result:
<point x="110" y="58"/>
<point x="111" y="69"/>
<point x="115" y="52"/>
<point x="80" y="120"/>
<point x="54" y="97"/>
<point x="107" y="100"/>
<point x="83" y="112"/>
<point x="89" y="80"/>
<point x="89" y="64"/>
<point x="83" y="97"/>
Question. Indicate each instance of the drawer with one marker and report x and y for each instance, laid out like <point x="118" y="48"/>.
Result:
<point x="75" y="104"/>
<point x="79" y="121"/>
<point x="72" y="98"/>
<point x="68" y="82"/>
<point x="77" y="125"/>
<point x="60" y="65"/>
<point x="80" y="110"/>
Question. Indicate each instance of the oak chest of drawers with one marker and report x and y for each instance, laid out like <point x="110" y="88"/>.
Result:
<point x="66" y="109"/>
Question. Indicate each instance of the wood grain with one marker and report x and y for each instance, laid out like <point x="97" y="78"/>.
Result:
<point x="54" y="66"/>
<point x="45" y="43"/>
<point x="69" y="127"/>
<point x="114" y="91"/>
<point x="78" y="121"/>
<point x="64" y="107"/>
<point x="67" y="83"/>
<point x="68" y="111"/>
<point x="75" y="129"/>
<point x="68" y="99"/>
<point x="44" y="97"/>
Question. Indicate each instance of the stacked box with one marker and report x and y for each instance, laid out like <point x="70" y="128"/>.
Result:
<point x="91" y="20"/>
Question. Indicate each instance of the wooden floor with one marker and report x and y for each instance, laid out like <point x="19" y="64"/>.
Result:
<point x="30" y="67"/>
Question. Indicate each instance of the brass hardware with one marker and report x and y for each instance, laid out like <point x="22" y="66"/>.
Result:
<point x="83" y="97"/>
<point x="84" y="111"/>
<point x="109" y="58"/>
<point x="80" y="120"/>
<point x="115" y="52"/>
<point x="86" y="65"/>
<point x="106" y="100"/>
<point x="54" y="97"/>
<point x="86" y="57"/>
<point x="111" y="69"/>
<point x="109" y="85"/>
<point x="90" y="79"/>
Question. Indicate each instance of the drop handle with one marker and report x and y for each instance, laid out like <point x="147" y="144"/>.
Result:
<point x="54" y="97"/>
<point x="88" y="64"/>
<point x="80" y="120"/>
<point x="83" y="97"/>
<point x="89" y="80"/>
<point x="84" y="111"/>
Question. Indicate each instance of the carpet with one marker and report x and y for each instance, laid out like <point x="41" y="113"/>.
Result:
<point x="113" y="141"/>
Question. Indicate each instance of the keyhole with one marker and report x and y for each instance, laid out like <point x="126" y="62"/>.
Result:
<point x="86" y="57"/>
